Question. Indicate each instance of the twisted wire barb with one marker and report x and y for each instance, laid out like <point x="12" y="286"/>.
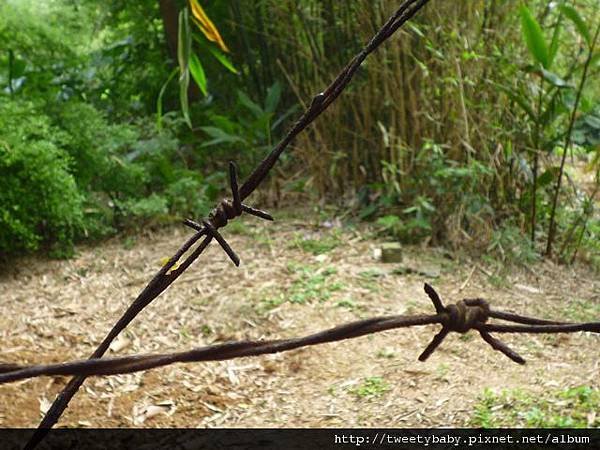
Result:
<point x="224" y="212"/>
<point x="466" y="315"/>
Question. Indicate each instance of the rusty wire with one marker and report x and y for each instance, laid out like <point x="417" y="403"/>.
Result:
<point x="225" y="211"/>
<point x="466" y="315"/>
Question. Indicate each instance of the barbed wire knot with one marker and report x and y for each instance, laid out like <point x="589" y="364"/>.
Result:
<point x="466" y="315"/>
<point x="225" y="211"/>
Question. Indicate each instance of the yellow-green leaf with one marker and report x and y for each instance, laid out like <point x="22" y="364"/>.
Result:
<point x="197" y="72"/>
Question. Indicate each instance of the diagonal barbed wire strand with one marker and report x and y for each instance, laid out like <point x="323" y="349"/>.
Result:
<point x="468" y="314"/>
<point x="226" y="211"/>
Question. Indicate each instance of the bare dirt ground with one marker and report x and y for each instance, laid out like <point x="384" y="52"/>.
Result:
<point x="51" y="311"/>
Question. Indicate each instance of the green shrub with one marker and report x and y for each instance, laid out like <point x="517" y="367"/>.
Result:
<point x="186" y="197"/>
<point x="39" y="199"/>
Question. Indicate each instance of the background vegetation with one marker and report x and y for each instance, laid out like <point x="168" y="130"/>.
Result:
<point x="476" y="127"/>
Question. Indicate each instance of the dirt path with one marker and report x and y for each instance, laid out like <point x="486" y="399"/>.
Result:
<point x="57" y="310"/>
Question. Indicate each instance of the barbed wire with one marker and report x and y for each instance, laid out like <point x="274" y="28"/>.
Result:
<point x="224" y="212"/>
<point x="462" y="317"/>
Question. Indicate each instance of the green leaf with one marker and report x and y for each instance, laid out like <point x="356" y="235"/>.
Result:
<point x="572" y="14"/>
<point x="555" y="41"/>
<point x="219" y="136"/>
<point x="554" y="79"/>
<point x="197" y="72"/>
<point x="160" y="97"/>
<point x="184" y="45"/>
<point x="273" y="97"/>
<point x="592" y="121"/>
<point x="388" y="222"/>
<point x="222" y="58"/>
<point x="218" y="54"/>
<point x="248" y="103"/>
<point x="519" y="99"/>
<point x="548" y="176"/>
<point x="534" y="38"/>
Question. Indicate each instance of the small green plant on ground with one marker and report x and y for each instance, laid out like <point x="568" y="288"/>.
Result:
<point x="347" y="303"/>
<point x="569" y="408"/>
<point x="387" y="353"/>
<point x="510" y="245"/>
<point x="371" y="387"/>
<point x="582" y="310"/>
<point x="238" y="227"/>
<point x="317" y="246"/>
<point x="311" y="283"/>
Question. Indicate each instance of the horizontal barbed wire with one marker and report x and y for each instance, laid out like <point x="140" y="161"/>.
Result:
<point x="466" y="315"/>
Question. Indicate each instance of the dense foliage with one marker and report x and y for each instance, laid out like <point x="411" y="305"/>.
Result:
<point x="477" y="126"/>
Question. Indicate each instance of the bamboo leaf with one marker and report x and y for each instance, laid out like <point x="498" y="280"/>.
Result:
<point x="555" y="41"/>
<point x="206" y="26"/>
<point x="554" y="79"/>
<point x="159" y="102"/>
<point x="220" y="136"/>
<point x="273" y="97"/>
<point x="198" y="73"/>
<point x="248" y="103"/>
<point x="572" y="14"/>
<point x="518" y="99"/>
<point x="534" y="37"/>
<point x="184" y="45"/>
<point x="223" y="59"/>
<point x="219" y="56"/>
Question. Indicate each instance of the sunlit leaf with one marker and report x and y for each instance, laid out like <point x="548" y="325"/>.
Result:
<point x="198" y="74"/>
<point x="534" y="37"/>
<point x="206" y="26"/>
<point x="572" y="14"/>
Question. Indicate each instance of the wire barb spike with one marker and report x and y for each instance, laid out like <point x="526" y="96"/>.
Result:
<point x="222" y="242"/>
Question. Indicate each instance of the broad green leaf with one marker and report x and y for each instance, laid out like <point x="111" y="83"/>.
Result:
<point x="248" y="103"/>
<point x="534" y="37"/>
<point x="184" y="45"/>
<point x="273" y="97"/>
<point x="572" y="14"/>
<point x="197" y="72"/>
